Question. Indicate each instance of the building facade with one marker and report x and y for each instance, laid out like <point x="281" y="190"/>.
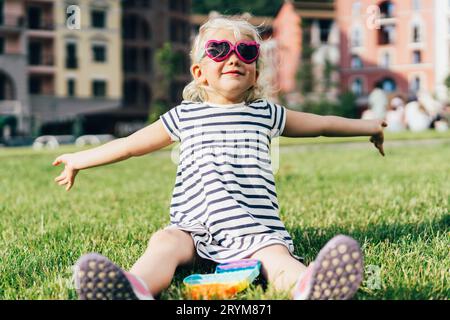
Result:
<point x="86" y="63"/>
<point x="14" y="104"/>
<point x="53" y="74"/>
<point x="312" y="51"/>
<point x="87" y="66"/>
<point x="147" y="26"/>
<point x="401" y="45"/>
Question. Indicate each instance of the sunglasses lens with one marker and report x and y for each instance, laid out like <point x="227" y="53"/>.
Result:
<point x="218" y="50"/>
<point x="248" y="51"/>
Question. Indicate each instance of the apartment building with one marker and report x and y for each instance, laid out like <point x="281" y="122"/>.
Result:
<point x="87" y="65"/>
<point x="14" y="104"/>
<point x="312" y="51"/>
<point x="403" y="45"/>
<point x="52" y="74"/>
<point x="147" y="25"/>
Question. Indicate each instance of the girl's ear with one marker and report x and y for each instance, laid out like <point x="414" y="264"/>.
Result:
<point x="197" y="73"/>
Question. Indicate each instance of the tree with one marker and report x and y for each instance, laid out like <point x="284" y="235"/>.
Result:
<point x="168" y="63"/>
<point x="447" y="81"/>
<point x="305" y="74"/>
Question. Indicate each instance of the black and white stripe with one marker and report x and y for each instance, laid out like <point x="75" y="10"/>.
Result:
<point x="224" y="192"/>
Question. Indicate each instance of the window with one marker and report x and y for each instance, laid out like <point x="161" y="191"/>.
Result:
<point x="386" y="34"/>
<point x="35" y="59"/>
<point x="356" y="40"/>
<point x="130" y="58"/>
<point x="99" y="52"/>
<point x="356" y="62"/>
<point x="34" y="16"/>
<point x="71" y="87"/>
<point x="98" y="19"/>
<point x="415" y="84"/>
<point x="416" y="33"/>
<point x="387" y="9"/>
<point x="71" y="55"/>
<point x="99" y="88"/>
<point x="147" y="58"/>
<point x="386" y="60"/>
<point x="416" y="5"/>
<point x="417" y="56"/>
<point x="357" y="87"/>
<point x="389" y="85"/>
<point x="129" y="27"/>
<point x="34" y="85"/>
<point x="356" y="8"/>
<point x="325" y="28"/>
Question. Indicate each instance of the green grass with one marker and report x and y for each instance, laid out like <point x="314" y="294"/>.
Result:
<point x="397" y="207"/>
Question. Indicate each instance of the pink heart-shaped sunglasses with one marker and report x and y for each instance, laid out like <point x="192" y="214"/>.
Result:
<point x="219" y="50"/>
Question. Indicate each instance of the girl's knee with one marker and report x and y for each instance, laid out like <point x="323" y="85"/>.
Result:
<point x="172" y="242"/>
<point x="269" y="252"/>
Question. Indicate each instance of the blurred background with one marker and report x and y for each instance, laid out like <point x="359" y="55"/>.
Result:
<point x="106" y="68"/>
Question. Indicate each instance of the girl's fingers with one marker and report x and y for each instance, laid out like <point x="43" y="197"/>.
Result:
<point x="56" y="162"/>
<point x="62" y="182"/>
<point x="70" y="176"/>
<point x="60" y="177"/>
<point x="380" y="147"/>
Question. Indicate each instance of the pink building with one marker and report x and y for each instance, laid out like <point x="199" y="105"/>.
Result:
<point x="287" y="33"/>
<point x="387" y="42"/>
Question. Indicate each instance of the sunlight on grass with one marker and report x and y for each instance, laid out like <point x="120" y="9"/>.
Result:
<point x="397" y="207"/>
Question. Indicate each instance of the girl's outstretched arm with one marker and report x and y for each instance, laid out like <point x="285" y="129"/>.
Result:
<point x="301" y="124"/>
<point x="146" y="140"/>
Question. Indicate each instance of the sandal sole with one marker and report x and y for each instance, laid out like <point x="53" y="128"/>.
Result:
<point x="97" y="278"/>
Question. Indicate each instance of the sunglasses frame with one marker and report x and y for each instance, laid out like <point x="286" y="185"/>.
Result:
<point x="233" y="48"/>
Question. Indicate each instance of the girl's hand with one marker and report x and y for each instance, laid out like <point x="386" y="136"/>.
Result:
<point x="378" y="138"/>
<point x="67" y="177"/>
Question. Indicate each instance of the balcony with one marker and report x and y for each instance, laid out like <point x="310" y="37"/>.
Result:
<point x="39" y="65"/>
<point x="12" y="23"/>
<point x="40" y="28"/>
<point x="41" y="25"/>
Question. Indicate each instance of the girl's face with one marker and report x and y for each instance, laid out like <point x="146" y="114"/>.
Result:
<point x="226" y="81"/>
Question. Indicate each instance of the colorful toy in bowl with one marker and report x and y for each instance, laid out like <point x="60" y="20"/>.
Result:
<point x="229" y="279"/>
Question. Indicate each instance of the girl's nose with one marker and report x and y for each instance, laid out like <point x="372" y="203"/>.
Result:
<point x="233" y="58"/>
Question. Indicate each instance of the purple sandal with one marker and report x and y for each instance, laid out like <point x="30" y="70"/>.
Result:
<point x="97" y="278"/>
<point x="336" y="273"/>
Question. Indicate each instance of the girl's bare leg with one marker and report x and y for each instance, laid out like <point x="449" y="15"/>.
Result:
<point x="167" y="249"/>
<point x="279" y="267"/>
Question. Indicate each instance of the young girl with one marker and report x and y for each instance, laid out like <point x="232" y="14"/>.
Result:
<point x="224" y="204"/>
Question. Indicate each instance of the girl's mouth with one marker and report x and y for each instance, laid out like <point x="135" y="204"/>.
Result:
<point x="234" y="72"/>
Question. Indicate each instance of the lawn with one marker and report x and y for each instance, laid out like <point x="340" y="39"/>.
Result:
<point x="397" y="207"/>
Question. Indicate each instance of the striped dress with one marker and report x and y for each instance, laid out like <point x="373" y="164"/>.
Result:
<point x="224" y="193"/>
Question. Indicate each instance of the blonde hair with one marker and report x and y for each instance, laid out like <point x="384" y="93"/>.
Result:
<point x="262" y="88"/>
